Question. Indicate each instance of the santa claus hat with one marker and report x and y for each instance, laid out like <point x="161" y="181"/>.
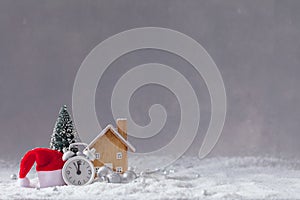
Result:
<point x="48" y="166"/>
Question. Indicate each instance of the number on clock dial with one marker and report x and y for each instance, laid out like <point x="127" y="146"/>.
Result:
<point x="78" y="172"/>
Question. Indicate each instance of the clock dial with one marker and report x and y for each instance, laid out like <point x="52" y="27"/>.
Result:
<point x="78" y="171"/>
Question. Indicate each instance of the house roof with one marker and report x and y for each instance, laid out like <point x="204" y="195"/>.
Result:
<point x="116" y="133"/>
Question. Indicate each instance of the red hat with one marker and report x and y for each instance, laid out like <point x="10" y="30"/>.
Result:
<point x="48" y="166"/>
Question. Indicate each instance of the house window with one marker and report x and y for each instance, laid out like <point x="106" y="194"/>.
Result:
<point x="119" y="155"/>
<point x="97" y="156"/>
<point x="119" y="169"/>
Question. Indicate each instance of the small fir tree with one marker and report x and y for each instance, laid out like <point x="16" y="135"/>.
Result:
<point x="64" y="132"/>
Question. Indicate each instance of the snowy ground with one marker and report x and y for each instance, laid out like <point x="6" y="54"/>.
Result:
<point x="189" y="178"/>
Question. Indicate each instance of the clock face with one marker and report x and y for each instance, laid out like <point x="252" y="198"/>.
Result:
<point x="78" y="171"/>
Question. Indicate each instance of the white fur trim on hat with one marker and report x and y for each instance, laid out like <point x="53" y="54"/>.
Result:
<point x="50" y="178"/>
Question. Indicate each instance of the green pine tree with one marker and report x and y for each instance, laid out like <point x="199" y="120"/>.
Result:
<point x="64" y="132"/>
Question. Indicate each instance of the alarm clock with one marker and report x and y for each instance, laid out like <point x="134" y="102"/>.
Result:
<point x="78" y="169"/>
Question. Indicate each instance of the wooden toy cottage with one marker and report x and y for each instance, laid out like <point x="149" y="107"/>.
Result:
<point x="111" y="147"/>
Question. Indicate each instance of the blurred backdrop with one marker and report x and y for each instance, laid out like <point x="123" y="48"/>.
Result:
<point x="255" y="44"/>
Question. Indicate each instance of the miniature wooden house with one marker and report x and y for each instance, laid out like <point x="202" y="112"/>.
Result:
<point x="111" y="147"/>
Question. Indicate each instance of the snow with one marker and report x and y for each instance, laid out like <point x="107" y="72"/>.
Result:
<point x="188" y="178"/>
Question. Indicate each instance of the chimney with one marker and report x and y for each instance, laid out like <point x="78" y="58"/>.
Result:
<point x="122" y="127"/>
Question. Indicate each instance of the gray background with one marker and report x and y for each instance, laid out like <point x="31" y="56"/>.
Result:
<point x="255" y="44"/>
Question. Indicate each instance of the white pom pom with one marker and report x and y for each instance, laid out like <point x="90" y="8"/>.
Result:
<point x="24" y="182"/>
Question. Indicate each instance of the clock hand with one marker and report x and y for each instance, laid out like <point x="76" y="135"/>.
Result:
<point x="79" y="166"/>
<point x="78" y="169"/>
<point x="75" y="166"/>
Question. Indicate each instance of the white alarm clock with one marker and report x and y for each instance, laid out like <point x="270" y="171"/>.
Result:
<point x="79" y="170"/>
